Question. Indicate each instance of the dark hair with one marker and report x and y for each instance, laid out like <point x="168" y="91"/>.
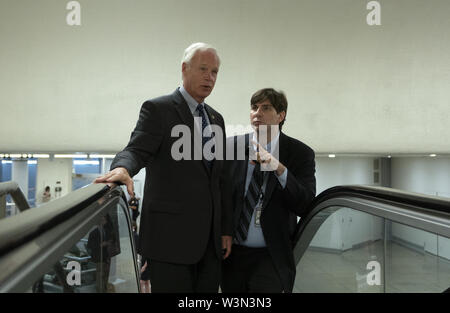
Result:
<point x="47" y="188"/>
<point x="276" y="98"/>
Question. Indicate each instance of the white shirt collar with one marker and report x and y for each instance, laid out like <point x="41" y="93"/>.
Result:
<point x="192" y="103"/>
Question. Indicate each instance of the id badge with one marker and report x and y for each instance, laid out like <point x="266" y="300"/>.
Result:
<point x="258" y="216"/>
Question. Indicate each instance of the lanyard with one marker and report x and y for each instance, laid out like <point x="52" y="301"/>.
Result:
<point x="264" y="184"/>
<point x="259" y="204"/>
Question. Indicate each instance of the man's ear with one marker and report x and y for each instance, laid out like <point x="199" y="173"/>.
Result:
<point x="184" y="67"/>
<point x="282" y="116"/>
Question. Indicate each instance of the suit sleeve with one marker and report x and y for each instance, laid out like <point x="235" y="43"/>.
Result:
<point x="144" y="143"/>
<point x="301" y="182"/>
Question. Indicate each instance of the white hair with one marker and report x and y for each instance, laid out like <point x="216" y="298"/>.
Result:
<point x="192" y="49"/>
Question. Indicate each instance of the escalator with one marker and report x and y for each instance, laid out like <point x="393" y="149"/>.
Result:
<point x="373" y="240"/>
<point x="79" y="243"/>
<point x="354" y="239"/>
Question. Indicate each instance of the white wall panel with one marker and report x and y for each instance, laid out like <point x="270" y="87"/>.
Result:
<point x="331" y="172"/>
<point x="426" y="175"/>
<point x="351" y="87"/>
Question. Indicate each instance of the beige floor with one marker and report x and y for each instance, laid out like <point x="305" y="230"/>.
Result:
<point x="407" y="270"/>
<point x="123" y="276"/>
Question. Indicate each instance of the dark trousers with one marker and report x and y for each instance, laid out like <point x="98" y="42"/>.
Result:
<point x="203" y="276"/>
<point x="250" y="270"/>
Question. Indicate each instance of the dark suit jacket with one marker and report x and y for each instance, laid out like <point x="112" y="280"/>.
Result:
<point x="280" y="206"/>
<point x="183" y="200"/>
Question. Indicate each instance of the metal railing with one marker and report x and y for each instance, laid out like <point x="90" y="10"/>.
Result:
<point x="425" y="212"/>
<point x="13" y="189"/>
<point x="32" y="242"/>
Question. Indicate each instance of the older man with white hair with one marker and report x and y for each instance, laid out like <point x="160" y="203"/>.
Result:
<point x="185" y="228"/>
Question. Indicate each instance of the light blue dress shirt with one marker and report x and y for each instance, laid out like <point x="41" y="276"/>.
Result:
<point x="255" y="237"/>
<point x="192" y="103"/>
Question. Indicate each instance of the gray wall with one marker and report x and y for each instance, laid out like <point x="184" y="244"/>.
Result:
<point x="331" y="172"/>
<point x="351" y="87"/>
<point x="422" y="174"/>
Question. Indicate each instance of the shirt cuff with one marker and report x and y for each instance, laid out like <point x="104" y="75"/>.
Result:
<point x="283" y="178"/>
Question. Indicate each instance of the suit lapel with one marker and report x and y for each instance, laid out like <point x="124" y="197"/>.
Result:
<point x="244" y="166"/>
<point x="241" y="172"/>
<point x="183" y="110"/>
<point x="211" y="115"/>
<point x="213" y="121"/>
<point x="271" y="183"/>
<point x="186" y="116"/>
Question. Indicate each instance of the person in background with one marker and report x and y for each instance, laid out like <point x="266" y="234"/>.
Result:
<point x="46" y="196"/>
<point x="144" y="271"/>
<point x="145" y="277"/>
<point x="134" y="206"/>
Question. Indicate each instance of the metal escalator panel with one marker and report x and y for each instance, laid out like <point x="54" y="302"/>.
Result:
<point x="336" y="258"/>
<point x="359" y="245"/>
<point x="418" y="261"/>
<point x="100" y="262"/>
<point x="91" y="251"/>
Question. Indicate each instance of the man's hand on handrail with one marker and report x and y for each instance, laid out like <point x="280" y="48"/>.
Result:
<point x="119" y="174"/>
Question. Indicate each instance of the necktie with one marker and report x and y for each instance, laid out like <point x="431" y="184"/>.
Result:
<point x="251" y="199"/>
<point x="205" y="139"/>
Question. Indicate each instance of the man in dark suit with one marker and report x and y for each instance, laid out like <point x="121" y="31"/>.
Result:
<point x="184" y="225"/>
<point x="274" y="183"/>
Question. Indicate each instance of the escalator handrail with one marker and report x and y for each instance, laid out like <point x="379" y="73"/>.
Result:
<point x="385" y="195"/>
<point x="21" y="266"/>
<point x="21" y="228"/>
<point x="420" y="202"/>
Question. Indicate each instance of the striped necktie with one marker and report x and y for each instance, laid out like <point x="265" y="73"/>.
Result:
<point x="205" y="139"/>
<point x="251" y="199"/>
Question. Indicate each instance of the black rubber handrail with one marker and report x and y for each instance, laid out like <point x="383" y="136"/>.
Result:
<point x="385" y="195"/>
<point x="430" y="204"/>
<point x="19" y="229"/>
<point x="35" y="256"/>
